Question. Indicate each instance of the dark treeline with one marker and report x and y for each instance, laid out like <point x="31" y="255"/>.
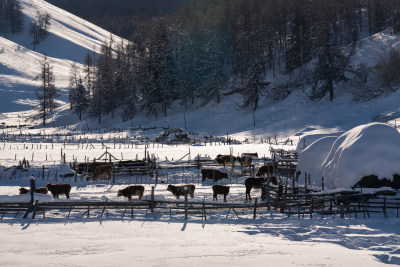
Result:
<point x="212" y="48"/>
<point x="11" y="17"/>
<point x="116" y="15"/>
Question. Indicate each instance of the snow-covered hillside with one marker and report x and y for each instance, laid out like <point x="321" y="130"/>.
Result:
<point x="69" y="40"/>
<point x="71" y="37"/>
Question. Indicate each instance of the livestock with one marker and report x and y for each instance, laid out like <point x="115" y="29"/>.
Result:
<point x="256" y="183"/>
<point x="225" y="159"/>
<point x="59" y="189"/>
<point x="245" y="161"/>
<point x="101" y="171"/>
<point x="372" y="181"/>
<point x="253" y="155"/>
<point x="266" y="169"/>
<point x="40" y="190"/>
<point x="213" y="174"/>
<point x="220" y="190"/>
<point x="178" y="191"/>
<point x="133" y="190"/>
<point x="131" y="163"/>
<point x="87" y="167"/>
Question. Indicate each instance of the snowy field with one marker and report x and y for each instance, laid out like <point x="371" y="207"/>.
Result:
<point x="264" y="242"/>
<point x="271" y="239"/>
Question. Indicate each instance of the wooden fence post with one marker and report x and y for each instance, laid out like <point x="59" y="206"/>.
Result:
<point x="152" y="199"/>
<point x="156" y="174"/>
<point x="32" y="191"/>
<point x="204" y="211"/>
<point x="186" y="202"/>
<point x="341" y="211"/>
<point x="114" y="174"/>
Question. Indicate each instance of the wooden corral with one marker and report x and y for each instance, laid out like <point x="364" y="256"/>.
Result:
<point x="298" y="203"/>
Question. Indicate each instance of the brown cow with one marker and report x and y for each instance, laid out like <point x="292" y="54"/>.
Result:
<point x="101" y="171"/>
<point x="245" y="161"/>
<point x="220" y="190"/>
<point x="58" y="189"/>
<point x="133" y="190"/>
<point x="40" y="190"/>
<point x="225" y="159"/>
<point x="178" y="191"/>
<point x="266" y="169"/>
<point x="213" y="174"/>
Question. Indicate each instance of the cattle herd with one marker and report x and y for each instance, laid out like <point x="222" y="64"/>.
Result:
<point x="265" y="174"/>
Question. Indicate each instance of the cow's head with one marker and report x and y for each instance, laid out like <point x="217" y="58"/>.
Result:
<point x="170" y="187"/>
<point x="119" y="193"/>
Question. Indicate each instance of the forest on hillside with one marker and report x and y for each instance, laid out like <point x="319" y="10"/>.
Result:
<point x="212" y="48"/>
<point x="116" y="16"/>
<point x="11" y="17"/>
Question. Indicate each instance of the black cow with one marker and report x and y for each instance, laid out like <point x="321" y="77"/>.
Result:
<point x="213" y="174"/>
<point x="178" y="191"/>
<point x="58" y="189"/>
<point x="256" y="183"/>
<point x="220" y="190"/>
<point x="266" y="169"/>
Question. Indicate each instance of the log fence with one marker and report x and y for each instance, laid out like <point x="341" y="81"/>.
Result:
<point x="297" y="205"/>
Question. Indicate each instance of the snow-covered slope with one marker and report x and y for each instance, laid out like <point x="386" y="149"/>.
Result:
<point x="69" y="40"/>
<point x="71" y="37"/>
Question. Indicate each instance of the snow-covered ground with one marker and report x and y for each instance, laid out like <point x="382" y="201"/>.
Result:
<point x="268" y="241"/>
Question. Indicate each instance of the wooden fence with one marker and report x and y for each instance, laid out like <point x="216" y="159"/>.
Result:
<point x="345" y="203"/>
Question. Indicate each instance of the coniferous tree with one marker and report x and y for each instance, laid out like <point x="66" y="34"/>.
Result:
<point x="46" y="92"/>
<point x="80" y="98"/>
<point x="254" y="88"/>
<point x="40" y="28"/>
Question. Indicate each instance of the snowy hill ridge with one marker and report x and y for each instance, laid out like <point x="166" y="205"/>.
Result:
<point x="70" y="38"/>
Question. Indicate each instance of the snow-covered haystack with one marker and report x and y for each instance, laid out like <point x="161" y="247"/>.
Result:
<point x="371" y="149"/>
<point x="308" y="139"/>
<point x="312" y="158"/>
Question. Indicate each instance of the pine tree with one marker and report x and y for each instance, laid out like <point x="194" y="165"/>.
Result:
<point x="46" y="92"/>
<point x="254" y="88"/>
<point x="40" y="28"/>
<point x="332" y="61"/>
<point x="82" y="99"/>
